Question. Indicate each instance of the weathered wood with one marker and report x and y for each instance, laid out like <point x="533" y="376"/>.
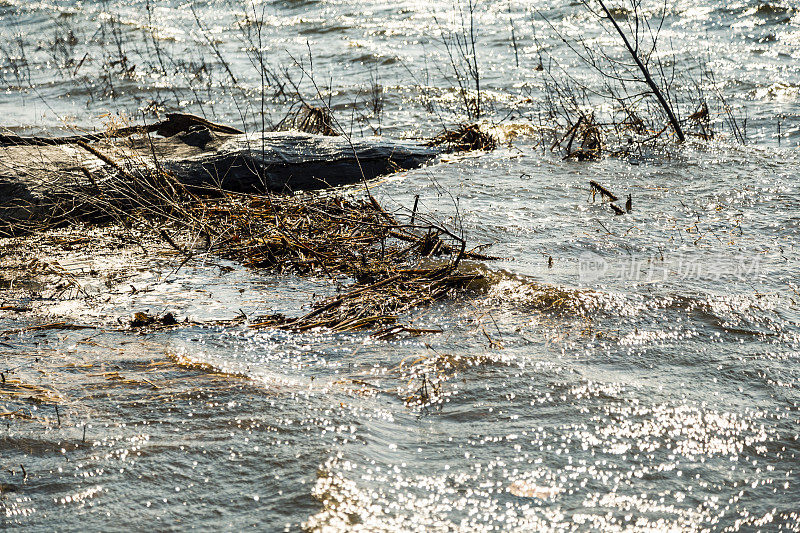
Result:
<point x="175" y="123"/>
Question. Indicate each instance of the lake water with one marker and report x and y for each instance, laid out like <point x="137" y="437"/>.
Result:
<point x="636" y="372"/>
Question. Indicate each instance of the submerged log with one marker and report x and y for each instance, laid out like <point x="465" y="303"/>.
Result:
<point x="288" y="162"/>
<point x="45" y="183"/>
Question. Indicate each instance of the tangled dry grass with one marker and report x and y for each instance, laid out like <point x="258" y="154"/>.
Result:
<point x="465" y="138"/>
<point x="395" y="266"/>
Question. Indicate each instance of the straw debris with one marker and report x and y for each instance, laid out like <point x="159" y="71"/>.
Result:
<point x="16" y="389"/>
<point x="313" y="119"/>
<point x="336" y="235"/>
<point x="465" y="138"/>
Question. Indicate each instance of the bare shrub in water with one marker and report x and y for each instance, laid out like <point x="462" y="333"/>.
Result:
<point x="465" y="138"/>
<point x="643" y="92"/>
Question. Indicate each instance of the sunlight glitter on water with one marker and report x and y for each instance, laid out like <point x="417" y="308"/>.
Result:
<point x="549" y="401"/>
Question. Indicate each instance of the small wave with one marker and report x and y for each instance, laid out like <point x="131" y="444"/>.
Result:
<point x="778" y="92"/>
<point x="751" y="315"/>
<point x="530" y="294"/>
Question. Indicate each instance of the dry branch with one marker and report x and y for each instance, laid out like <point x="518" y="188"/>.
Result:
<point x="175" y="123"/>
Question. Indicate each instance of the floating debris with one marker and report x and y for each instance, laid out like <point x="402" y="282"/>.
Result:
<point x="527" y="489"/>
<point x="604" y="193"/>
<point x="142" y="319"/>
<point x="336" y="235"/>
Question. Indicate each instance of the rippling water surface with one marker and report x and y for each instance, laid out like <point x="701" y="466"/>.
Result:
<point x="634" y="372"/>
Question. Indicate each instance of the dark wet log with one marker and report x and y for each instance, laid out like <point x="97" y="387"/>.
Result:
<point x="16" y="140"/>
<point x="48" y="183"/>
<point x="288" y="162"/>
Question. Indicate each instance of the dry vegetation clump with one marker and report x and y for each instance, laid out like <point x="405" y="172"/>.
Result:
<point x="312" y="119"/>
<point x="335" y="235"/>
<point x="395" y="266"/>
<point x="589" y="146"/>
<point x="465" y="138"/>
